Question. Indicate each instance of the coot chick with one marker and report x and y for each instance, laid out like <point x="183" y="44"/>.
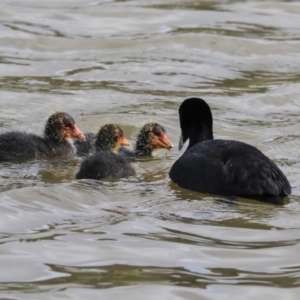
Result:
<point x="150" y="138"/>
<point x="105" y="162"/>
<point x="59" y="129"/>
<point x="223" y="167"/>
<point x="109" y="137"/>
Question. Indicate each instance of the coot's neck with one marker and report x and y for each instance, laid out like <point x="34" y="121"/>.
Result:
<point x="200" y="133"/>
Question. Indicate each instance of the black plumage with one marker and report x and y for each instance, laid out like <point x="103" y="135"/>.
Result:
<point x="105" y="162"/>
<point x="223" y="167"/>
<point x="85" y="147"/>
<point x="60" y="127"/>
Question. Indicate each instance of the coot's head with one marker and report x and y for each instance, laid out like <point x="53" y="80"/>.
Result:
<point x="110" y="137"/>
<point x="61" y="127"/>
<point x="151" y="137"/>
<point x="196" y="122"/>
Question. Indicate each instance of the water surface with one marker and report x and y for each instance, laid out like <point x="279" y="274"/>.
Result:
<point x="130" y="62"/>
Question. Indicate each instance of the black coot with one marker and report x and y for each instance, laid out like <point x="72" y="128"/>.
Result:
<point x="151" y="137"/>
<point x="223" y="167"/>
<point x="59" y="129"/>
<point x="105" y="162"/>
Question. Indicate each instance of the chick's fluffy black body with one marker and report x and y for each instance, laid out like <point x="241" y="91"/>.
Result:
<point x="105" y="164"/>
<point x="17" y="145"/>
<point x="85" y="147"/>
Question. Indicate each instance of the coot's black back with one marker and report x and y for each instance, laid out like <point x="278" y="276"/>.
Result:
<point x="220" y="166"/>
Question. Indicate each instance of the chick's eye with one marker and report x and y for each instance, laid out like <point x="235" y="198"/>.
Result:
<point x="157" y="131"/>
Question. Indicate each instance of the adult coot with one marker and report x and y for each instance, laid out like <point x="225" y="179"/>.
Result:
<point x="223" y="167"/>
<point x="59" y="129"/>
<point x="151" y="137"/>
<point x="105" y="162"/>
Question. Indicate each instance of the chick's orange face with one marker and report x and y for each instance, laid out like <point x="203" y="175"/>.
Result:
<point x="121" y="140"/>
<point x="73" y="132"/>
<point x="160" y="138"/>
<point x="61" y="126"/>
